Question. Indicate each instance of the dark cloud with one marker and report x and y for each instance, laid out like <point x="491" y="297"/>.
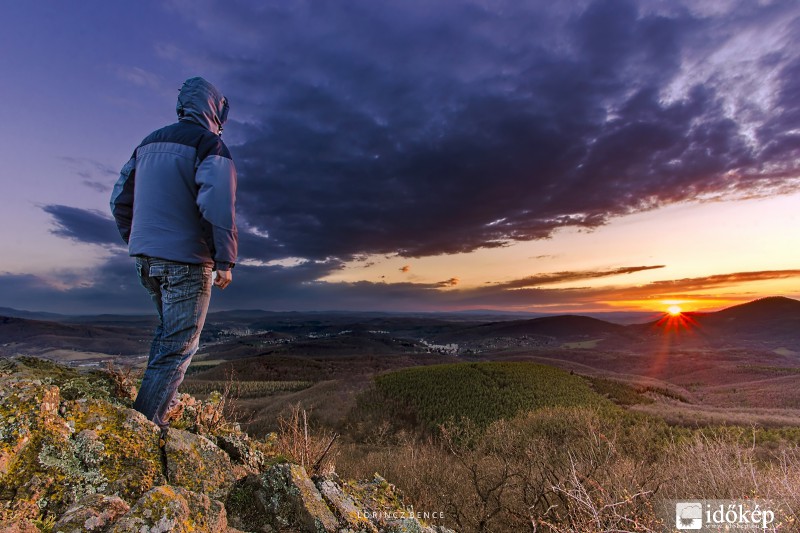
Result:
<point x="561" y="277"/>
<point x="110" y="287"/>
<point x="419" y="129"/>
<point x="83" y="225"/>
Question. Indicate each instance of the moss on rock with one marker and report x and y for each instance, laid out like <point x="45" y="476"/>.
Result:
<point x="119" y="443"/>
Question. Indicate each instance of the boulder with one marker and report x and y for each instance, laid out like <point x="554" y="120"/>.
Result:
<point x="175" y="510"/>
<point x="195" y="463"/>
<point x="92" y="514"/>
<point x="36" y="453"/>
<point x="383" y="505"/>
<point x="282" y="498"/>
<point x="18" y="526"/>
<point x="242" y="450"/>
<point x="118" y="443"/>
<point x="345" y="507"/>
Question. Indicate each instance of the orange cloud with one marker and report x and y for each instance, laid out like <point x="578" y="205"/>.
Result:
<point x="560" y="277"/>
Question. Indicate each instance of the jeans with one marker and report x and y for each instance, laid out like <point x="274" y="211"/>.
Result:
<point x="181" y="293"/>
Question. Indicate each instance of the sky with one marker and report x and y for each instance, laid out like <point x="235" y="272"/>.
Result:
<point x="418" y="155"/>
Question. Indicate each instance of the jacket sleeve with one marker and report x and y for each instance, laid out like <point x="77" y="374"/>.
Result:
<point x="216" y="198"/>
<point x="122" y="198"/>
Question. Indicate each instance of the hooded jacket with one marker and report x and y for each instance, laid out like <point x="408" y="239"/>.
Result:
<point x="175" y="198"/>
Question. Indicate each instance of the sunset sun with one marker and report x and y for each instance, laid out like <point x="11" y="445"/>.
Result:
<point x="674" y="310"/>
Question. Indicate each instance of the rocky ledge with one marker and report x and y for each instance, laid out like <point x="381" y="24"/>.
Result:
<point x="74" y="457"/>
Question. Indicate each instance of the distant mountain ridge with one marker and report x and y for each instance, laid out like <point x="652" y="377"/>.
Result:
<point x="559" y="326"/>
<point x="23" y="335"/>
<point x="768" y="308"/>
<point x="773" y="321"/>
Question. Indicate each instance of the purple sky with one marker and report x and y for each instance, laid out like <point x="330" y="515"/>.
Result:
<point x="369" y="133"/>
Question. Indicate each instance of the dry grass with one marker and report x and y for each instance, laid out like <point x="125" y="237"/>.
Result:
<point x="570" y="470"/>
<point x="696" y="415"/>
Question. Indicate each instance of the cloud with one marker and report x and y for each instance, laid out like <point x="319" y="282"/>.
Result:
<point x="686" y="285"/>
<point x="418" y="129"/>
<point x="139" y="76"/>
<point x="413" y="128"/>
<point x="94" y="174"/>
<point x="561" y="277"/>
<point x="110" y="287"/>
<point x="83" y="225"/>
<point x="98" y="186"/>
<point x="286" y="288"/>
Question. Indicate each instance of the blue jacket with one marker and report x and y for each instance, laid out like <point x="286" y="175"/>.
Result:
<point x="175" y="198"/>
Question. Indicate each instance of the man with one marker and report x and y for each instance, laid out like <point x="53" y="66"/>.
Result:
<point x="174" y="205"/>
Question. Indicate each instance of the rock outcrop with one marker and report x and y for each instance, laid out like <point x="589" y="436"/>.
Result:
<point x="75" y="457"/>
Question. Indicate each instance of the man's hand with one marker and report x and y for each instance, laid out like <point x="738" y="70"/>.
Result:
<point x="224" y="278"/>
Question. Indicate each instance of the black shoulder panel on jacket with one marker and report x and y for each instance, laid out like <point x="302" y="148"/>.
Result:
<point x="180" y="133"/>
<point x="212" y="144"/>
<point x="206" y="143"/>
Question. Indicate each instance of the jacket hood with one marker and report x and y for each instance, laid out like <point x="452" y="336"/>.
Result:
<point x="202" y="103"/>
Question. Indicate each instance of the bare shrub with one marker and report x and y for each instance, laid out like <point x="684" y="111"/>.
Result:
<point x="719" y="466"/>
<point x="314" y="450"/>
<point x="124" y="380"/>
<point x="575" y="470"/>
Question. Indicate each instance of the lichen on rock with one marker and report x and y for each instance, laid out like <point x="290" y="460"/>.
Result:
<point x="91" y="514"/>
<point x="120" y="443"/>
<point x="173" y="509"/>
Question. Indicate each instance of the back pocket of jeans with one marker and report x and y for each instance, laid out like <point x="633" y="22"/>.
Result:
<point x="169" y="271"/>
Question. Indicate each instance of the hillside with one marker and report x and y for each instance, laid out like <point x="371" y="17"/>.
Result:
<point x="426" y="397"/>
<point x="772" y="322"/>
<point x="561" y="326"/>
<point x="21" y="335"/>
